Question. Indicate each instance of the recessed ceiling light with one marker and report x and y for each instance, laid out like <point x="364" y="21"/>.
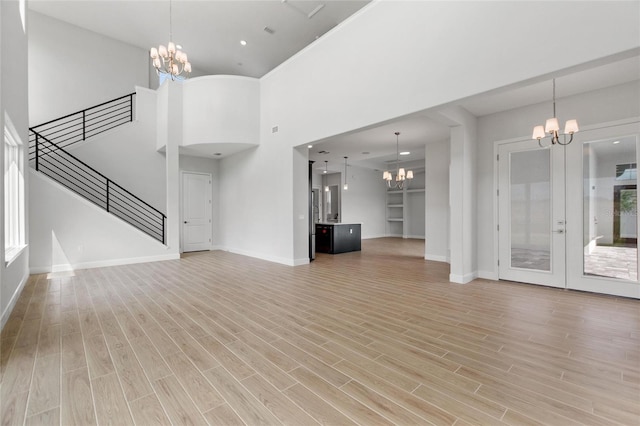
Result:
<point x="243" y="42"/>
<point x="616" y="142"/>
<point x="309" y="146"/>
<point x="178" y="46"/>
<point x="405" y="153"/>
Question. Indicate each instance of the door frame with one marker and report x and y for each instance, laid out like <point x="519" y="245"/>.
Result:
<point x="182" y="173"/>
<point x="594" y="284"/>
<point x="556" y="276"/>
<point x="576" y="280"/>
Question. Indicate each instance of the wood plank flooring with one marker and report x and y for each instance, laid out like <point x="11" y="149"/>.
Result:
<point x="375" y="337"/>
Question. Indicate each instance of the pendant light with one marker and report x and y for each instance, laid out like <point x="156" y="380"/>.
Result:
<point x="552" y="127"/>
<point x="401" y="176"/>
<point x="346" y="186"/>
<point x="326" y="187"/>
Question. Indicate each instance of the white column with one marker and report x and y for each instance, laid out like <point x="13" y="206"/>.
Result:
<point x="462" y="195"/>
<point x="170" y="136"/>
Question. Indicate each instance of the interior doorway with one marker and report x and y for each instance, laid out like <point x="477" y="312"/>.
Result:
<point x="196" y="209"/>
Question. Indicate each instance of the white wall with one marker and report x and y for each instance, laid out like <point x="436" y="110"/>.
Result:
<point x="365" y="201"/>
<point x="591" y="108"/>
<point x="133" y="161"/>
<point x="71" y="68"/>
<point x="13" y="103"/>
<point x="256" y="207"/>
<point x="207" y="165"/>
<point x="327" y="89"/>
<point x="437" y="157"/>
<point x="221" y="109"/>
<point x="75" y="234"/>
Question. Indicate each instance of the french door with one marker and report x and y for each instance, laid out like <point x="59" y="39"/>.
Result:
<point x="567" y="215"/>
<point x="531" y="231"/>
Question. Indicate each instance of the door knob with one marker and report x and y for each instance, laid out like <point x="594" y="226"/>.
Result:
<point x="185" y="221"/>
<point x="559" y="231"/>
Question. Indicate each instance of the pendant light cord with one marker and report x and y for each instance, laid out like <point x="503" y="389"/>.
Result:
<point x="554" y="98"/>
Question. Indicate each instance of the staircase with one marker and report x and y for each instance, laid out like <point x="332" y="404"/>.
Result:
<point x="47" y="154"/>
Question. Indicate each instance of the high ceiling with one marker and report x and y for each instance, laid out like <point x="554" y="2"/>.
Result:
<point x="211" y="31"/>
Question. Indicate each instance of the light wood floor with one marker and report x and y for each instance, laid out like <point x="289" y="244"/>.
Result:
<point x="358" y="338"/>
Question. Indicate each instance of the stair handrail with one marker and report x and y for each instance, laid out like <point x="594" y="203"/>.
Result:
<point x="130" y="95"/>
<point x="78" y="130"/>
<point x="109" y="182"/>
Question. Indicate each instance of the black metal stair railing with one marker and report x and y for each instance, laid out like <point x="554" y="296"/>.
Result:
<point x="81" y="125"/>
<point x="53" y="161"/>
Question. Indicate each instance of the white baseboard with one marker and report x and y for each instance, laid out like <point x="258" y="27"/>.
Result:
<point x="275" y="259"/>
<point x="463" y="279"/>
<point x="101" y="263"/>
<point x="14" y="299"/>
<point x="370" y="237"/>
<point x="488" y="275"/>
<point x="436" y="258"/>
<point x="415" y="237"/>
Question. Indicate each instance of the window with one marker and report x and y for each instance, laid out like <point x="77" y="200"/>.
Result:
<point x="14" y="210"/>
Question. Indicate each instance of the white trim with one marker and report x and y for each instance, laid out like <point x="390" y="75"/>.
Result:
<point x="275" y="259"/>
<point x="415" y="237"/>
<point x="436" y="258"/>
<point x="463" y="279"/>
<point x="13" y="253"/>
<point x="302" y="261"/>
<point x="488" y="275"/>
<point x="7" y="311"/>
<point x="101" y="263"/>
<point x="370" y="237"/>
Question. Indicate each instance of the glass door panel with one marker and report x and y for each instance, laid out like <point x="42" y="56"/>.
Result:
<point x="531" y="214"/>
<point x="530" y="197"/>
<point x="610" y="203"/>
<point x="602" y="253"/>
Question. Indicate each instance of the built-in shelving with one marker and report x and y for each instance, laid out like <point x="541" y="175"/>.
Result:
<point x="399" y="205"/>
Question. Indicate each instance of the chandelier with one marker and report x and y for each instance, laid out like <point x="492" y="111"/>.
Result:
<point x="401" y="176"/>
<point x="552" y="127"/>
<point x="170" y="60"/>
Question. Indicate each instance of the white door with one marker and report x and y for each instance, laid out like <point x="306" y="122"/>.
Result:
<point x="567" y="216"/>
<point x="602" y="239"/>
<point x="196" y="211"/>
<point x="531" y="213"/>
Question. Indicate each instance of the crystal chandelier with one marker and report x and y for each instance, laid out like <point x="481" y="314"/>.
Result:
<point x="170" y="60"/>
<point x="401" y="176"/>
<point x="552" y="127"/>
